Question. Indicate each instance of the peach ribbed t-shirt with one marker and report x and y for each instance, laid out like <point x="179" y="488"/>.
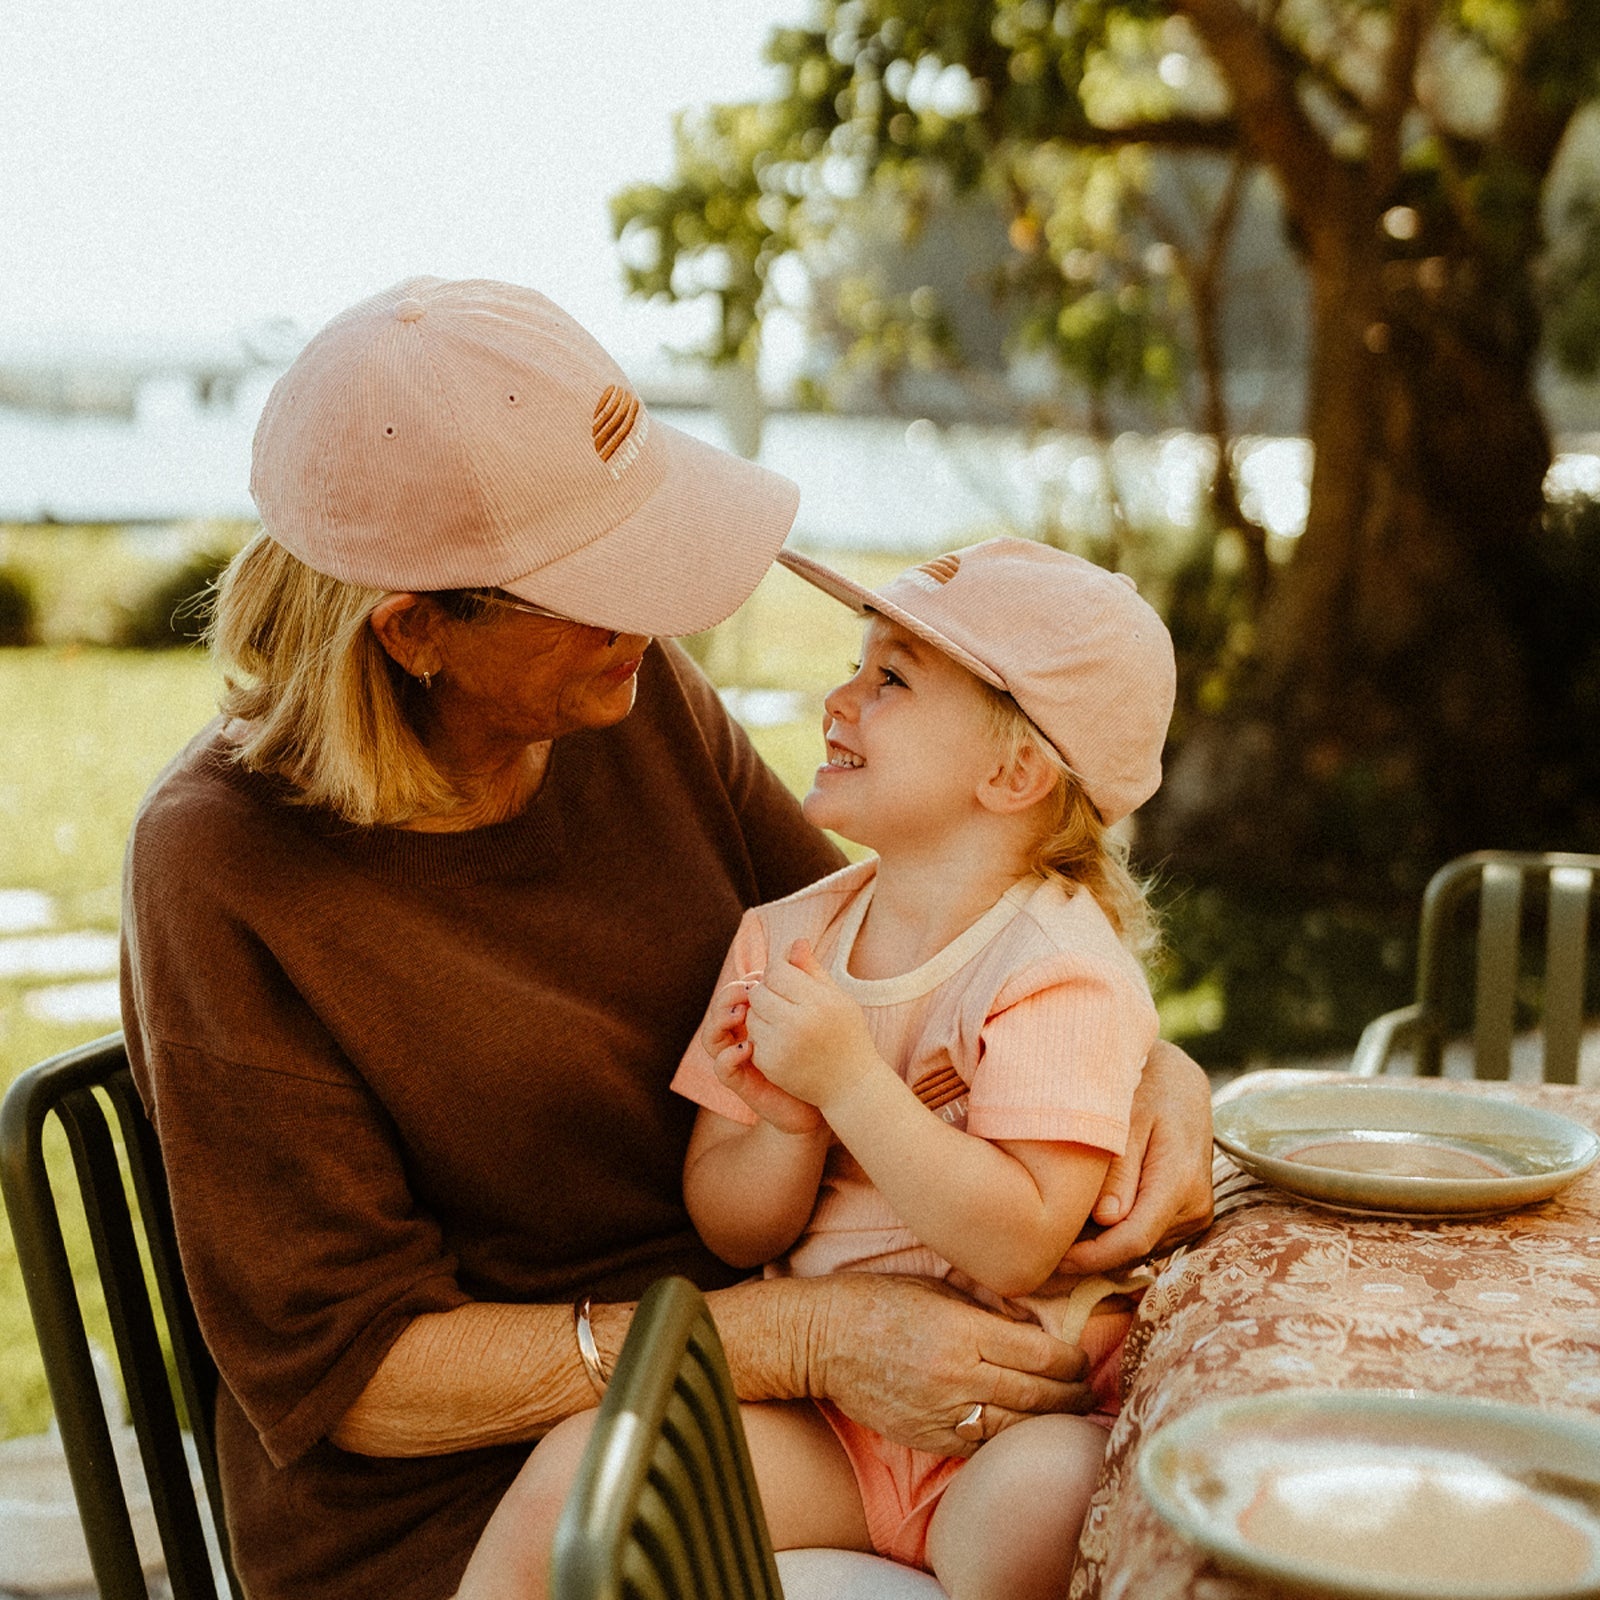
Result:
<point x="1033" y="1024"/>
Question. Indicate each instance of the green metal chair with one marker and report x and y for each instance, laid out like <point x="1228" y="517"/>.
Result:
<point x="665" y="1505"/>
<point x="90" y="1092"/>
<point x="1482" y="974"/>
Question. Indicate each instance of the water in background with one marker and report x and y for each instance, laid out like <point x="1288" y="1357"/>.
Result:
<point x="867" y="483"/>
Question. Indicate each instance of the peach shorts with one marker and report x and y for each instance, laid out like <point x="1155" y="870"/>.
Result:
<point x="901" y="1487"/>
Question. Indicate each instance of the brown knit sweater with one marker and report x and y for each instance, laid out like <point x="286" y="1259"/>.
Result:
<point x="395" y="1071"/>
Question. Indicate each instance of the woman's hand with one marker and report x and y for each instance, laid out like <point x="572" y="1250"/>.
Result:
<point x="909" y="1358"/>
<point x="1159" y="1190"/>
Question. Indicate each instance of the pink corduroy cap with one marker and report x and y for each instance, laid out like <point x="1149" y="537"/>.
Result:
<point x="1087" y="660"/>
<point x="459" y="435"/>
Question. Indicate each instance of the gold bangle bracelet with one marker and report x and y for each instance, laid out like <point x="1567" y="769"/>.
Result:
<point x="588" y="1350"/>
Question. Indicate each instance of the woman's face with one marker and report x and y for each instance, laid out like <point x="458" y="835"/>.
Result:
<point x="505" y="680"/>
<point x="520" y="679"/>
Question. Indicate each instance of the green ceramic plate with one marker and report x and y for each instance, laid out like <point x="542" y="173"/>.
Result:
<point x="1398" y="1150"/>
<point x="1385" y="1494"/>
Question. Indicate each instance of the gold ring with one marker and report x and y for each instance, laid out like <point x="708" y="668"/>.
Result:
<point x="970" y="1427"/>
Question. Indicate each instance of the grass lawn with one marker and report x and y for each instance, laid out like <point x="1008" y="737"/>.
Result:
<point x="86" y="730"/>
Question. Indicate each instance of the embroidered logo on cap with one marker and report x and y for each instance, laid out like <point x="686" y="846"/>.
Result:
<point x="933" y="575"/>
<point x="621" y="425"/>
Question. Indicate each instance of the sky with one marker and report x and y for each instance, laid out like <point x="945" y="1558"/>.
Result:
<point x="181" y="167"/>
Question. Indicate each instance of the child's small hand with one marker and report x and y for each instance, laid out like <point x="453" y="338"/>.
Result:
<point x="728" y="1044"/>
<point x="808" y="1035"/>
<point x="724" y="1024"/>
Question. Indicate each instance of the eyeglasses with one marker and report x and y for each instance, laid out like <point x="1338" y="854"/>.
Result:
<point x="511" y="603"/>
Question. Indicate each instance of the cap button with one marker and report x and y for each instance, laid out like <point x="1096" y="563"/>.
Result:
<point x="409" y="310"/>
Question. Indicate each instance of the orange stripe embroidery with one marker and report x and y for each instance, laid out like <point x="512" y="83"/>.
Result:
<point x="942" y="568"/>
<point x="938" y="1087"/>
<point x="614" y="416"/>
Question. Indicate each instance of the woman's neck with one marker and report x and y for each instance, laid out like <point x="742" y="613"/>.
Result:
<point x="489" y="795"/>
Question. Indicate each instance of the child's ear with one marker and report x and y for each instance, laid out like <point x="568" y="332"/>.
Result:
<point x="1019" y="784"/>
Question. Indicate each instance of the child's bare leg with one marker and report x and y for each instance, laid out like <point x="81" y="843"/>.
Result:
<point x="512" y="1559"/>
<point x="1007" y="1527"/>
<point x="807" y="1488"/>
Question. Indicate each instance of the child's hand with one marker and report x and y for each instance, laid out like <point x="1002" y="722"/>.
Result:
<point x="809" y="1037"/>
<point x="727" y="1042"/>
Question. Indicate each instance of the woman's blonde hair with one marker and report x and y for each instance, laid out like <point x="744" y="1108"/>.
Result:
<point x="1073" y="843"/>
<point x="322" y="703"/>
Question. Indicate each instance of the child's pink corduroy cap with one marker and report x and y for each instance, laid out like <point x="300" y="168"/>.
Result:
<point x="1086" y="659"/>
<point x="470" y="435"/>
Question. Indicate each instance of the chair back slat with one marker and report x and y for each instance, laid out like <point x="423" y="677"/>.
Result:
<point x="665" y="1505"/>
<point x="1499" y="941"/>
<point x="197" y="1372"/>
<point x="1488" y="971"/>
<point x="1566" y="963"/>
<point x="710" y="1513"/>
<point x="64" y="1343"/>
<point x="735" y="1505"/>
<point x="70" y="1088"/>
<point x="151" y="1406"/>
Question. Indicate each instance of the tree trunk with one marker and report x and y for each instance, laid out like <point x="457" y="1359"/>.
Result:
<point x="1391" y="711"/>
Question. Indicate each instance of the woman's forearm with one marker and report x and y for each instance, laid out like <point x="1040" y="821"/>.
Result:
<point x="478" y="1375"/>
<point x="896" y="1353"/>
<point x="486" y="1374"/>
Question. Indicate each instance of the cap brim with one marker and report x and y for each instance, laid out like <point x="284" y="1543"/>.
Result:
<point x="685" y="560"/>
<point x="862" y="599"/>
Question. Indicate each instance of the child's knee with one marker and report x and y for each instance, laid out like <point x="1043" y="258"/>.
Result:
<point x="530" y="1508"/>
<point x="513" y="1555"/>
<point x="1009" y="1522"/>
<point x="549" y="1472"/>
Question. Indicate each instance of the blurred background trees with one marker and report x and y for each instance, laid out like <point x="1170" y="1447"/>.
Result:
<point x="1110" y="213"/>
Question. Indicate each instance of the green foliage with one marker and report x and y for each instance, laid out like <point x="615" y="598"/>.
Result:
<point x="1281" y="979"/>
<point x="19" y="609"/>
<point x="1572" y="290"/>
<point x="174" y="611"/>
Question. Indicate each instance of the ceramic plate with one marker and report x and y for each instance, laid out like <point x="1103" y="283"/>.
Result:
<point x="1385" y="1494"/>
<point x="1398" y="1150"/>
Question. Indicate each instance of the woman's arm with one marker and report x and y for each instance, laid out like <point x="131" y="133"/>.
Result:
<point x="903" y="1356"/>
<point x="750" y="1187"/>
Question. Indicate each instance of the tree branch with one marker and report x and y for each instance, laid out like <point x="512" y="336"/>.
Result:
<point x="1272" y="122"/>
<point x="1412" y="20"/>
<point x="1171" y="133"/>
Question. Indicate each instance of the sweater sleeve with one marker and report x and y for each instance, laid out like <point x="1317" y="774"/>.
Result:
<point x="303" y="1245"/>
<point x="787" y="852"/>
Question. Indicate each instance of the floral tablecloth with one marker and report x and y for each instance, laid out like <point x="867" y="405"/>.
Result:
<point x="1280" y="1294"/>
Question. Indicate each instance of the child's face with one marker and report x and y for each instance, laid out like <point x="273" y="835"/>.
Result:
<point x="909" y="741"/>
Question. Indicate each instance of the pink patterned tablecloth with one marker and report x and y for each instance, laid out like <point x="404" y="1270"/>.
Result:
<point x="1281" y="1294"/>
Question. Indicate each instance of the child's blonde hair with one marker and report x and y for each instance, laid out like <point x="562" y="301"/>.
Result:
<point x="1074" y="844"/>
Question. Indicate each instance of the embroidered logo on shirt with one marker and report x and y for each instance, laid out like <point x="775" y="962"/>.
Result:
<point x="621" y="426"/>
<point x="942" y="1089"/>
